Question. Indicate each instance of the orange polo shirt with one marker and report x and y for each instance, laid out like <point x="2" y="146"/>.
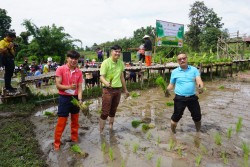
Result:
<point x="69" y="77"/>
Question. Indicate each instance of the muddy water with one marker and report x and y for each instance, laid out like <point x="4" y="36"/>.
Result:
<point x="221" y="109"/>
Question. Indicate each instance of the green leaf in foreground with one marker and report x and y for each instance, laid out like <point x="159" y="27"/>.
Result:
<point x="75" y="148"/>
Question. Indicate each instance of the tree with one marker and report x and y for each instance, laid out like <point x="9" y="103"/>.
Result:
<point x="203" y="22"/>
<point x="5" y="22"/>
<point x="50" y="41"/>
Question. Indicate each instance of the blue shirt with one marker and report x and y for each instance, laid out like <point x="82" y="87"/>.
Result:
<point x="184" y="80"/>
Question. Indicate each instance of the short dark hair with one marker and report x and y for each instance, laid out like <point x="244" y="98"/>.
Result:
<point x="73" y="54"/>
<point x="10" y="34"/>
<point x="115" y="47"/>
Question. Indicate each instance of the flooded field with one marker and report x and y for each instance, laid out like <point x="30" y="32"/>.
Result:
<point x="219" y="144"/>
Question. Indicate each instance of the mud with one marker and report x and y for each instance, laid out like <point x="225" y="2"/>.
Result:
<point x="221" y="109"/>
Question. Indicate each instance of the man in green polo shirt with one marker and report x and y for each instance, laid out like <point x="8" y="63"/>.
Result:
<point x="112" y="78"/>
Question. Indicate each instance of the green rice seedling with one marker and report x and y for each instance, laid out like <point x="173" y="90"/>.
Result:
<point x="170" y="103"/>
<point x="149" y="135"/>
<point x="229" y="132"/>
<point x="135" y="147"/>
<point x="180" y="151"/>
<point x="217" y="139"/>
<point x="75" y="148"/>
<point x="160" y="82"/>
<point x="246" y="161"/>
<point x="126" y="144"/>
<point x="224" y="157"/>
<point x="222" y="87"/>
<point x="158" y="140"/>
<point x="136" y="123"/>
<point x="49" y="114"/>
<point x="149" y="155"/>
<point x="239" y="125"/>
<point x="134" y="94"/>
<point x="111" y="154"/>
<point x="145" y="127"/>
<point x="245" y="148"/>
<point x="171" y="144"/>
<point x="103" y="147"/>
<point x="203" y="149"/>
<point x="198" y="159"/>
<point x="158" y="162"/>
<point x="123" y="163"/>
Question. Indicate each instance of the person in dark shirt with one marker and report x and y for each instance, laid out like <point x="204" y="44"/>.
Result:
<point x="148" y="50"/>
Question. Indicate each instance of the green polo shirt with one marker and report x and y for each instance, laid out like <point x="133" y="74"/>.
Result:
<point x="112" y="71"/>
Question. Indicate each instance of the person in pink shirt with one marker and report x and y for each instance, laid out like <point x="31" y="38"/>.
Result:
<point x="69" y="84"/>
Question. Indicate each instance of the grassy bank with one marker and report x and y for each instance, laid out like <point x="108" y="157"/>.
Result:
<point x="18" y="145"/>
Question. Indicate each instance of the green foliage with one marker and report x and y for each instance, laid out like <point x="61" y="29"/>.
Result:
<point x="229" y="132"/>
<point x="76" y="149"/>
<point x="204" y="23"/>
<point x="171" y="144"/>
<point x="245" y="148"/>
<point x="145" y="127"/>
<point x="136" y="123"/>
<point x="170" y="103"/>
<point x="198" y="159"/>
<point x="224" y="157"/>
<point x="5" y="22"/>
<point x="239" y="125"/>
<point x="111" y="154"/>
<point x="103" y="147"/>
<point x="222" y="87"/>
<point x="135" y="94"/>
<point x="217" y="139"/>
<point x="162" y="83"/>
<point x="149" y="155"/>
<point x="18" y="146"/>
<point x="48" y="40"/>
<point x="158" y="162"/>
<point x="135" y="147"/>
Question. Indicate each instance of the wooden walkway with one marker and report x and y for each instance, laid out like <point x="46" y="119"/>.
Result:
<point x="162" y="69"/>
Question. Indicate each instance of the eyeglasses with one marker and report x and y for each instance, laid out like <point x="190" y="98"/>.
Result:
<point x="183" y="58"/>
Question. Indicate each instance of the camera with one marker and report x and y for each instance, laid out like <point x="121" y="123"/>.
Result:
<point x="16" y="45"/>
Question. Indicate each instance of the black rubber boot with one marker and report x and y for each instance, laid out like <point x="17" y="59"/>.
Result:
<point x="198" y="126"/>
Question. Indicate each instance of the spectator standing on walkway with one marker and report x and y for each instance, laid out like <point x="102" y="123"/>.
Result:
<point x="148" y="50"/>
<point x="184" y="80"/>
<point x="7" y="54"/>
<point x="112" y="78"/>
<point x="69" y="83"/>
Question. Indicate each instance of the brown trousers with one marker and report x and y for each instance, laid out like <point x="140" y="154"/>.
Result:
<point x="110" y="101"/>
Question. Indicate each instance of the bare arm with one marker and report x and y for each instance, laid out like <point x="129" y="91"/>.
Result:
<point x="169" y="87"/>
<point x="200" y="84"/>
<point x="124" y="84"/>
<point x="104" y="81"/>
<point x="80" y="91"/>
<point x="63" y="87"/>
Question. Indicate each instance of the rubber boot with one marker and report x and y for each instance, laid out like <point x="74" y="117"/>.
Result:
<point x="61" y="123"/>
<point x="74" y="127"/>
<point x="111" y="122"/>
<point x="198" y="126"/>
<point x="173" y="126"/>
<point x="102" y="124"/>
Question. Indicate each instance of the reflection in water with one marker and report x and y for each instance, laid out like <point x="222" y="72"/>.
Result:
<point x="111" y="144"/>
<point x="197" y="140"/>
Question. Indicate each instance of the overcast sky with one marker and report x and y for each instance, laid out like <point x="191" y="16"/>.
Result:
<point x="98" y="21"/>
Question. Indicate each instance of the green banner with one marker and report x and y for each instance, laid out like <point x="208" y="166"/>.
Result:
<point x="169" y="34"/>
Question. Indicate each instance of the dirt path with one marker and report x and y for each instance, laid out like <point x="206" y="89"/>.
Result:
<point x="221" y="109"/>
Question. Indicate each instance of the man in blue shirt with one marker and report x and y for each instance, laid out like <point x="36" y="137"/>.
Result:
<point x="184" y="80"/>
